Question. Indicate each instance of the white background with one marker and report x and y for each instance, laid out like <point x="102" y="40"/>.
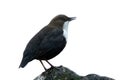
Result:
<point x="93" y="41"/>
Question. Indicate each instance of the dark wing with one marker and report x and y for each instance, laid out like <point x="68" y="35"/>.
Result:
<point x="33" y="46"/>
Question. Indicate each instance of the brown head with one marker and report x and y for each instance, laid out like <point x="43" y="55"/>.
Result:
<point x="59" y="20"/>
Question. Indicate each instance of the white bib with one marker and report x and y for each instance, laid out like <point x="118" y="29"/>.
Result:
<point x="65" y="29"/>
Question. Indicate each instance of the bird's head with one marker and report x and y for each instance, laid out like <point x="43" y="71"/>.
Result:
<point x="59" y="20"/>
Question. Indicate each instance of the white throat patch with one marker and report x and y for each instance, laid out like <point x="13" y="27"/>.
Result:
<point x="65" y="29"/>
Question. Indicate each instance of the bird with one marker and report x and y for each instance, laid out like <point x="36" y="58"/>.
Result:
<point x="48" y="42"/>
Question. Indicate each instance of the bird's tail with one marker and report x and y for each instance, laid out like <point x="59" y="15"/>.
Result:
<point x="23" y="63"/>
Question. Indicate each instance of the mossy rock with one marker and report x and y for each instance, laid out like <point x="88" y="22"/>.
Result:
<point x="63" y="73"/>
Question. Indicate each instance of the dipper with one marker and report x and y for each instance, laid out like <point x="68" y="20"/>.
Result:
<point x="48" y="42"/>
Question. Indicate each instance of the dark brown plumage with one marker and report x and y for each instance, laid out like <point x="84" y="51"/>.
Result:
<point x="48" y="42"/>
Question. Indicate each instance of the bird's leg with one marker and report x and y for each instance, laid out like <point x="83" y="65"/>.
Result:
<point x="43" y="65"/>
<point x="49" y="63"/>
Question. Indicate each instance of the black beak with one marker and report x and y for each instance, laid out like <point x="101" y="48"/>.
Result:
<point x="72" y="18"/>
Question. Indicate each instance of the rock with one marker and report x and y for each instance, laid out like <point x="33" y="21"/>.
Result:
<point x="63" y="73"/>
